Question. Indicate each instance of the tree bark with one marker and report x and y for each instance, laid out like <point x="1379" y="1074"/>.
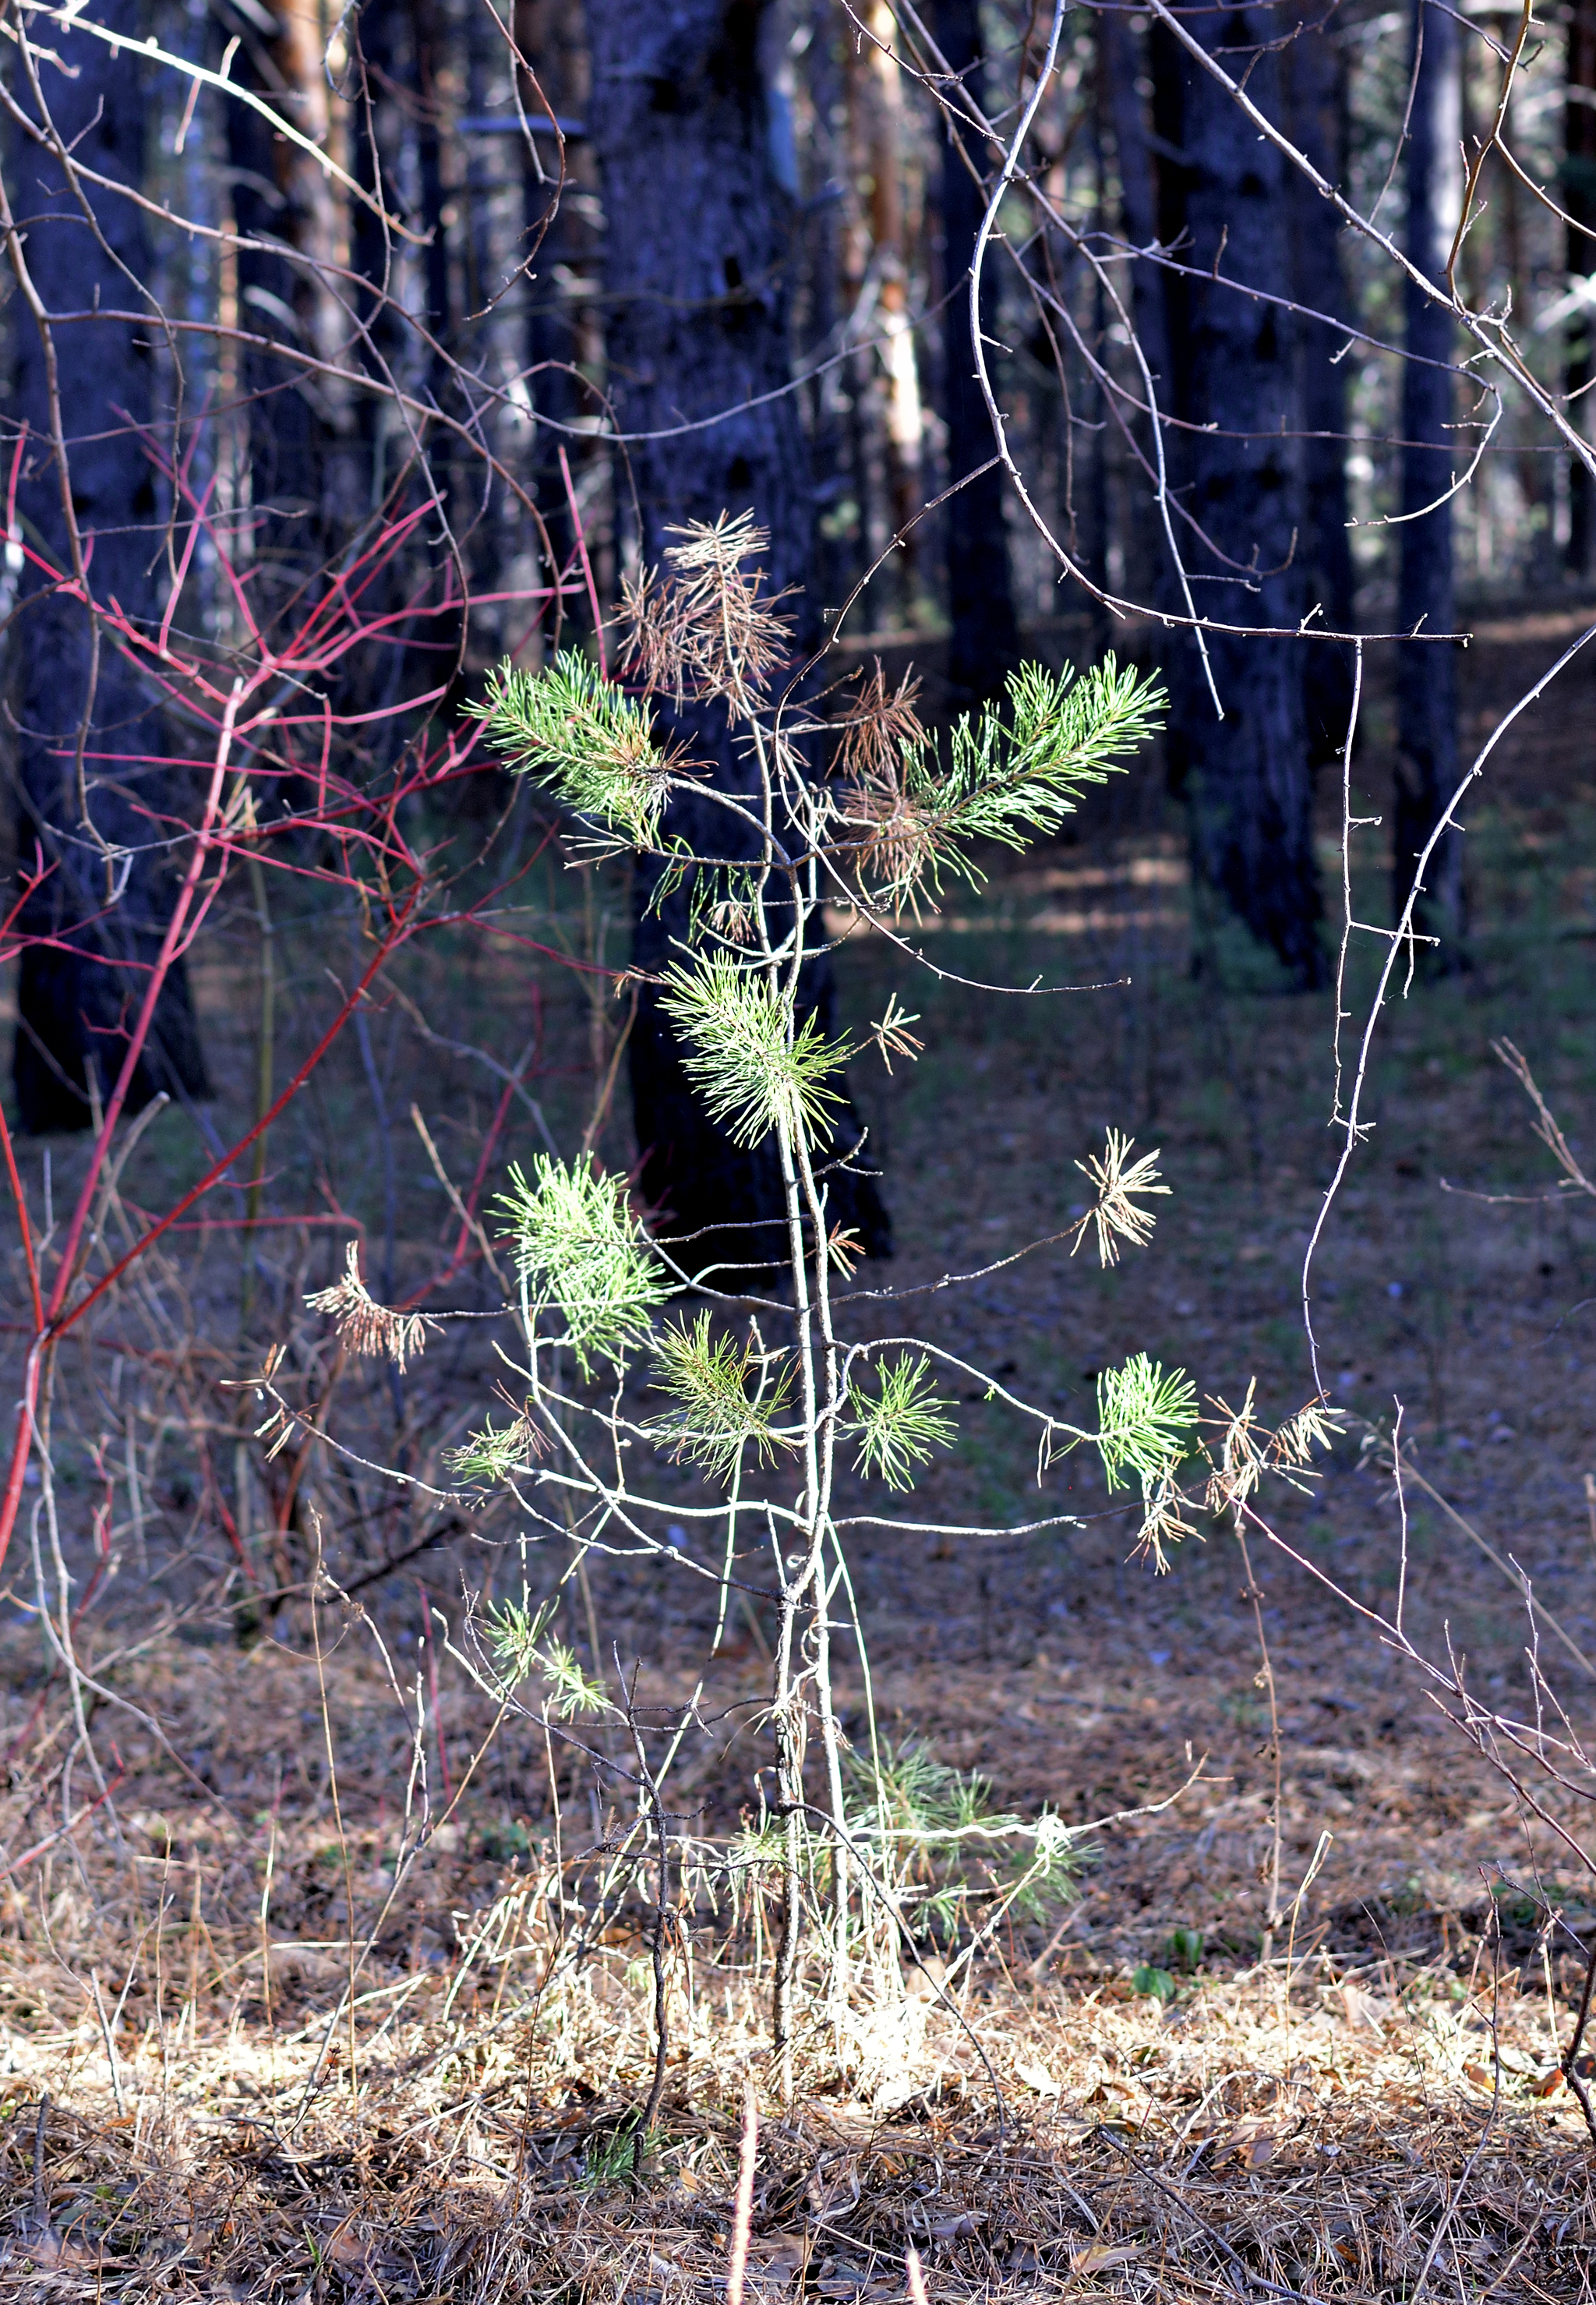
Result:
<point x="95" y="800"/>
<point x="1246" y="778"/>
<point x="1121" y="59"/>
<point x="984" y="641"/>
<point x="429" y="48"/>
<point x="1578" y="195"/>
<point x="304" y="493"/>
<point x="550" y="36"/>
<point x="1426" y="768"/>
<point x="376" y="156"/>
<point x="366" y="463"/>
<point x="698" y="263"/>
<point x="876" y="115"/>
<point x="1316" y="119"/>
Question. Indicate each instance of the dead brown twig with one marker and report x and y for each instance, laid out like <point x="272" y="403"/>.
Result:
<point x="1546" y="1121"/>
<point x="743" y="2212"/>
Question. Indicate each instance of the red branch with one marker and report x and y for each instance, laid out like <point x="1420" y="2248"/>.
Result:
<point x="265" y="717"/>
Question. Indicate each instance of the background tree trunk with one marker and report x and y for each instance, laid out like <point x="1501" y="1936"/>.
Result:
<point x="281" y="194"/>
<point x="1122" y="59"/>
<point x="1316" y="118"/>
<point x="1578" y="192"/>
<point x="1426" y="769"/>
<point x="377" y="154"/>
<point x="1246" y="778"/>
<point x="983" y="642"/>
<point x="76" y="999"/>
<point x="875" y="102"/>
<point x="548" y="34"/>
<point x="429" y="53"/>
<point x="698" y="256"/>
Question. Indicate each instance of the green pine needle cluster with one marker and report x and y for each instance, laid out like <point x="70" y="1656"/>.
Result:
<point x="727" y="1397"/>
<point x="610" y="2156"/>
<point x="913" y="1794"/>
<point x="1023" y="774"/>
<point x="932" y="1827"/>
<point x="515" y="1634"/>
<point x="757" y="1846"/>
<point x="514" y="1629"/>
<point x="579" y="1250"/>
<point x="900" y="1425"/>
<point x="1012" y="773"/>
<point x="1146" y="1421"/>
<point x="584" y="739"/>
<point x="755" y="1067"/>
<point x="494" y="1455"/>
<point x="571" y="1692"/>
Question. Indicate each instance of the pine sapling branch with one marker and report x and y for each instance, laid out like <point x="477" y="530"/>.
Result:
<point x="584" y="740"/>
<point x="755" y="1066"/>
<point x="580" y="1251"/>
<point x="901" y="1424"/>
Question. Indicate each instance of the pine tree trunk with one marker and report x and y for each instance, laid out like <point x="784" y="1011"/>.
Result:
<point x="1426" y="768"/>
<point x="96" y="813"/>
<point x="376" y="151"/>
<point x="698" y="262"/>
<point x="1316" y="119"/>
<point x="303" y="493"/>
<point x="824" y="68"/>
<point x="875" y="108"/>
<point x="549" y="34"/>
<point x="983" y="642"/>
<point x="1121" y="64"/>
<point x="1577" y="191"/>
<point x="430" y="52"/>
<point x="1246" y="777"/>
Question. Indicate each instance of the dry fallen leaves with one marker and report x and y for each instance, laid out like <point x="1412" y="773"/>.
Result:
<point x="1251" y="2142"/>
<point x="1038" y="2078"/>
<point x="1102" y="2256"/>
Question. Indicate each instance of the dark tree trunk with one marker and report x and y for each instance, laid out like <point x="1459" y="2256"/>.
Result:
<point x="698" y="253"/>
<point x="77" y="997"/>
<point x="1315" y="76"/>
<point x="876" y="114"/>
<point x="1579" y="202"/>
<point x="427" y="34"/>
<point x="984" y="643"/>
<point x="1086" y="450"/>
<point x="376" y="142"/>
<point x="556" y="238"/>
<point x="1426" y="773"/>
<point x="1246" y="778"/>
<point x="1121" y="63"/>
<point x="374" y="467"/>
<point x="285" y="463"/>
<point x="834" y="555"/>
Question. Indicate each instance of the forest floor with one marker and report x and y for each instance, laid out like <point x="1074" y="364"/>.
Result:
<point x="1137" y="2096"/>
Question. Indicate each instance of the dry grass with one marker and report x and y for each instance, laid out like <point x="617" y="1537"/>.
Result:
<point x="1211" y="2146"/>
<point x="1142" y="2147"/>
